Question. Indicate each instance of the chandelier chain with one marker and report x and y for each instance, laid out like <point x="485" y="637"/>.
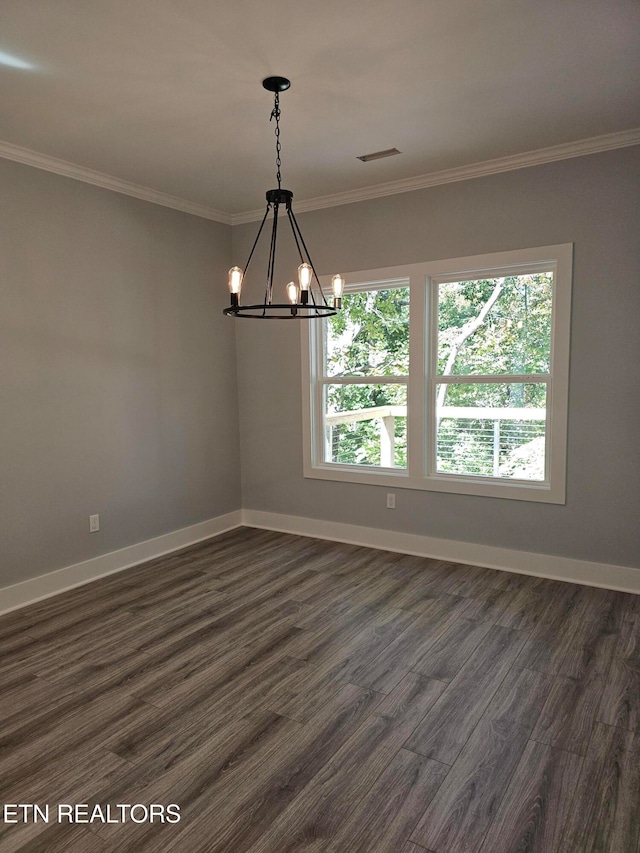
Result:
<point x="275" y="114"/>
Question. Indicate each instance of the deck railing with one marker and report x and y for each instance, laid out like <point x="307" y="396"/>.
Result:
<point x="497" y="433"/>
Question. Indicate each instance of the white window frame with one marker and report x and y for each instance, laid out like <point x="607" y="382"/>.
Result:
<point x="421" y="415"/>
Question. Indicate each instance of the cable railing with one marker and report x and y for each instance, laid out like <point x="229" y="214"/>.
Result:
<point x="481" y="440"/>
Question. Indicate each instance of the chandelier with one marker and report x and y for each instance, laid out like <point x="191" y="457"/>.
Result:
<point x="306" y="299"/>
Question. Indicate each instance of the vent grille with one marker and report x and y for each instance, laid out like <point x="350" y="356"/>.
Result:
<point x="378" y="155"/>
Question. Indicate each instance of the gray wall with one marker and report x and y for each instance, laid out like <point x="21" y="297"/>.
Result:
<point x="589" y="201"/>
<point x="118" y="390"/>
<point x="118" y="387"/>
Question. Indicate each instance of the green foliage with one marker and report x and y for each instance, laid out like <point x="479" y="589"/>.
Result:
<point x="359" y="443"/>
<point x="467" y="447"/>
<point x="497" y="395"/>
<point x="515" y="335"/>
<point x="370" y="337"/>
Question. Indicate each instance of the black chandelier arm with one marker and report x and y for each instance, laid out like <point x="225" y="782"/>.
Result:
<point x="272" y="257"/>
<point x="302" y="257"/>
<point x="295" y="236"/>
<point x="255" y="242"/>
<point x="304" y="246"/>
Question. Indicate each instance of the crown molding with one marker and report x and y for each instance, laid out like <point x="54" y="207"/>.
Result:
<point x="99" y="179"/>
<point x="580" y="148"/>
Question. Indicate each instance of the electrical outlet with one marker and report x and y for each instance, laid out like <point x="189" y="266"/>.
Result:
<point x="94" y="523"/>
<point x="391" y="500"/>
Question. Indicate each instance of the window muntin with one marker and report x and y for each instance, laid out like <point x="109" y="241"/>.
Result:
<point x="521" y="469"/>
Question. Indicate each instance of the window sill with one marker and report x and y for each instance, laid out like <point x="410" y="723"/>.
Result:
<point x="399" y="478"/>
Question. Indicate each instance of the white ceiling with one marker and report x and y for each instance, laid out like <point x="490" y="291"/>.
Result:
<point x="167" y="93"/>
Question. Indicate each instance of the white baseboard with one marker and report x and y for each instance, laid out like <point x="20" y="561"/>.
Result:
<point x="44" y="586"/>
<point x="622" y="578"/>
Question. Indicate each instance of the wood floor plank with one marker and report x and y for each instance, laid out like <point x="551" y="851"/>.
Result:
<point x="24" y="691"/>
<point x="224" y="622"/>
<point x="318" y="643"/>
<point x="74" y="778"/>
<point x="156" y="741"/>
<point x="464" y="807"/>
<point x="604" y="815"/>
<point x="317" y="814"/>
<point x="218" y="675"/>
<point x="382" y="592"/>
<point x="533" y="813"/>
<point x="552" y="637"/>
<point x="308" y="689"/>
<point x="33" y="651"/>
<point x="620" y="705"/>
<point x="61" y="838"/>
<point x="419" y="592"/>
<point x="513" y="581"/>
<point x="205" y="672"/>
<point x="314" y="619"/>
<point x="445" y="730"/>
<point x="81" y="720"/>
<point x="15" y="622"/>
<point x="82" y="615"/>
<point x="525" y="610"/>
<point x="468" y="581"/>
<point x="84" y="668"/>
<point x="604" y="606"/>
<point x="192" y="780"/>
<point x="386" y="670"/>
<point x="569" y="714"/>
<point x="322" y="591"/>
<point x="444" y="658"/>
<point x="631" y="605"/>
<point x="490" y="605"/>
<point x="387" y="814"/>
<point x="245" y="807"/>
<point x="437" y="604"/>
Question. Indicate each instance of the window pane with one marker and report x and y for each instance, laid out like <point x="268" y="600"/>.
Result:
<point x="366" y="425"/>
<point x="370" y="335"/>
<point x="495" y="325"/>
<point x="492" y="430"/>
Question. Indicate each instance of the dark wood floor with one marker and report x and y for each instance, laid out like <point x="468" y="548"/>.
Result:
<point x="295" y="695"/>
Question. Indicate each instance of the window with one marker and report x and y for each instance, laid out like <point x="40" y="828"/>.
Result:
<point x="449" y="376"/>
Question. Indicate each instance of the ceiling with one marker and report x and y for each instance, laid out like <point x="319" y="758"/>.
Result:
<point x="167" y="93"/>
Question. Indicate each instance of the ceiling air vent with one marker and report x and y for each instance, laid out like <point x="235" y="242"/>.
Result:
<point x="378" y="155"/>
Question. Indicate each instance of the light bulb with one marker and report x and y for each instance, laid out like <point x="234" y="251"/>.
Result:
<point x="292" y="292"/>
<point x="305" y="274"/>
<point x="235" y="279"/>
<point x="337" y="284"/>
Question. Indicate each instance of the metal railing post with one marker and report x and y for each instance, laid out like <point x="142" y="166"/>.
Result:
<point x="496" y="447"/>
